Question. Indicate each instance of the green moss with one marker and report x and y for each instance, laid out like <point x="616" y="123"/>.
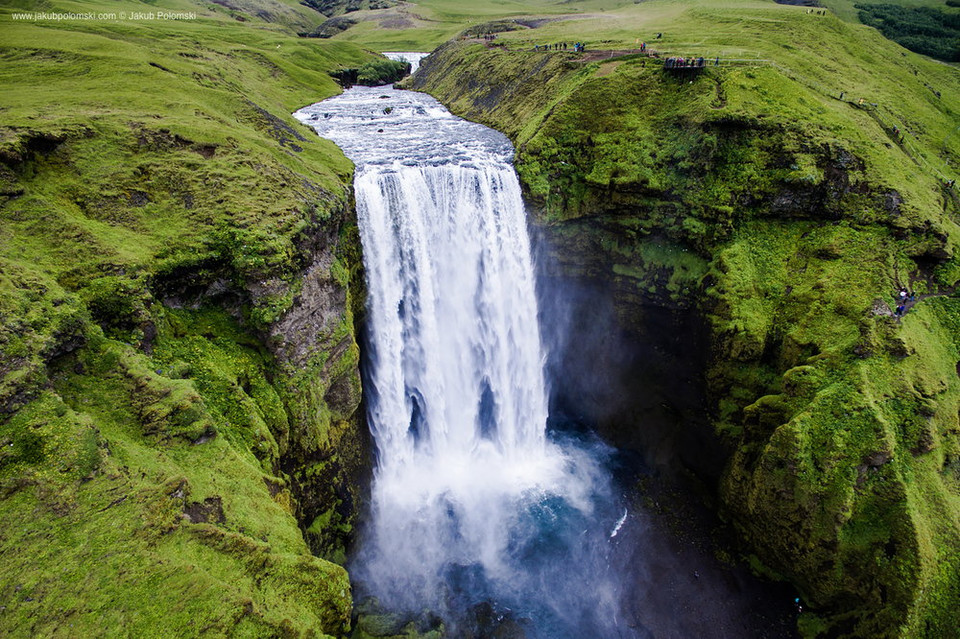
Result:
<point x="150" y="241"/>
<point x="788" y="219"/>
<point x="119" y="452"/>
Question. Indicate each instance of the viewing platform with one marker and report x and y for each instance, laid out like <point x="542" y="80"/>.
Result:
<point x="686" y="66"/>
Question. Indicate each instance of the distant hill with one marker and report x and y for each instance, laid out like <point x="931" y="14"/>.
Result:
<point x="338" y="7"/>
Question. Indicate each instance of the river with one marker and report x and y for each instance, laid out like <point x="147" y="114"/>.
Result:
<point x="482" y="520"/>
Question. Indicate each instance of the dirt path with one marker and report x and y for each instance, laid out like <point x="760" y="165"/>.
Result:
<point x="912" y="300"/>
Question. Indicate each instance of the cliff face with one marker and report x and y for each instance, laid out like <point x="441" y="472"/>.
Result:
<point x="750" y="234"/>
<point x="179" y="388"/>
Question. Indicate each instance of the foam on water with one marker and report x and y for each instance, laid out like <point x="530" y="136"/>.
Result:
<point x="412" y="57"/>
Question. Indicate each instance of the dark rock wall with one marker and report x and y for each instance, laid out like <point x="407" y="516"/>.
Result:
<point x="625" y="363"/>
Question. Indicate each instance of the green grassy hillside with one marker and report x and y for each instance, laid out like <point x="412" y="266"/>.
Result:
<point x="178" y="370"/>
<point x="259" y="15"/>
<point x="788" y="217"/>
<point x="425" y="24"/>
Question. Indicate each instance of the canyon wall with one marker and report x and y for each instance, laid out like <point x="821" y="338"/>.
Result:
<point x="748" y="244"/>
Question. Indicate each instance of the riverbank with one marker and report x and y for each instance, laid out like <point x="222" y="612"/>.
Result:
<point x="179" y="384"/>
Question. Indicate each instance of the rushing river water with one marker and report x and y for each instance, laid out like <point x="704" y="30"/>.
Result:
<point x="484" y="522"/>
<point x="474" y="506"/>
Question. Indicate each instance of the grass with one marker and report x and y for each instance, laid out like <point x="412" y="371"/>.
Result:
<point x="169" y="461"/>
<point x="134" y="177"/>
<point x="159" y="207"/>
<point x="424" y="25"/>
<point x="806" y="48"/>
<point x="788" y="216"/>
<point x="110" y="467"/>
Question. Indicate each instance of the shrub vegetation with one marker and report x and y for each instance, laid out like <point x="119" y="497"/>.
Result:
<point x="922" y="29"/>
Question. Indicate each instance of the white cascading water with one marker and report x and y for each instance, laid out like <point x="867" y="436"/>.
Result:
<point x="471" y="501"/>
<point x="413" y="58"/>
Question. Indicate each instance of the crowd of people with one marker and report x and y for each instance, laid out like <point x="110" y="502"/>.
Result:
<point x="668" y="63"/>
<point x="686" y="63"/>
<point x="579" y="47"/>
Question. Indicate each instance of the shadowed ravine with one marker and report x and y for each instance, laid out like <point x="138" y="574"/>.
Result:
<point x="479" y="514"/>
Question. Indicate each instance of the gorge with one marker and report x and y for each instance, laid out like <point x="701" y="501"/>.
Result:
<point x="741" y="279"/>
<point x="478" y="514"/>
<point x="707" y="405"/>
<point x="472" y="503"/>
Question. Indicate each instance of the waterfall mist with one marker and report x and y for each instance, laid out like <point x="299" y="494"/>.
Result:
<point x="475" y="506"/>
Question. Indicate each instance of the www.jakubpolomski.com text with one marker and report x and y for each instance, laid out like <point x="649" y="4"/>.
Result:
<point x="35" y="16"/>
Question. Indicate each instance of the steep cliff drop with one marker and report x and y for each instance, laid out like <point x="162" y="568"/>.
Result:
<point x="478" y="515"/>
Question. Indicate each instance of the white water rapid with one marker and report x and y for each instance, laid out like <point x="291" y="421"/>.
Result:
<point x="413" y="58"/>
<point x="471" y="500"/>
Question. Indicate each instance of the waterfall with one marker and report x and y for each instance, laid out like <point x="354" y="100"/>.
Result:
<point x="413" y="58"/>
<point x="471" y="500"/>
<point x="453" y="314"/>
<point x="458" y="377"/>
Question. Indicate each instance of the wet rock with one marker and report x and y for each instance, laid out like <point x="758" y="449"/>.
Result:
<point x="877" y="459"/>
<point x="881" y="308"/>
<point x="210" y="510"/>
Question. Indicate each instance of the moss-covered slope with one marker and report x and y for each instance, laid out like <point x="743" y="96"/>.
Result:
<point x="179" y="268"/>
<point x="787" y="218"/>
